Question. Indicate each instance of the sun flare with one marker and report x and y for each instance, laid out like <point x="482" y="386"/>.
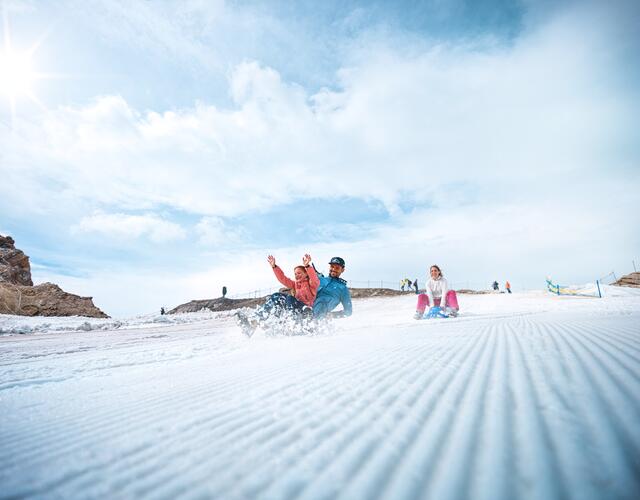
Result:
<point x="18" y="74"/>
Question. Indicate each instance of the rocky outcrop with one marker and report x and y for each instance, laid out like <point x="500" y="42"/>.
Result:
<point x="361" y="293"/>
<point x="631" y="280"/>
<point x="46" y="299"/>
<point x="14" y="264"/>
<point x="19" y="296"/>
<point x="221" y="304"/>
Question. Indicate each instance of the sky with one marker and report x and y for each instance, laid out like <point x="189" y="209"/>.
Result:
<point x="157" y="151"/>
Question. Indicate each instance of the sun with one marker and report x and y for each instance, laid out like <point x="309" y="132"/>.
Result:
<point x="16" y="74"/>
<point x="18" y="77"/>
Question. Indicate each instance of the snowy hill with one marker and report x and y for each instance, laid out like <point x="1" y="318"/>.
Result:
<point x="523" y="396"/>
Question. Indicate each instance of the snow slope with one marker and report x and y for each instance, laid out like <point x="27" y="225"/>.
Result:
<point x="523" y="396"/>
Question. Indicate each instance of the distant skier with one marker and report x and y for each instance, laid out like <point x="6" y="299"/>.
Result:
<point x="298" y="303"/>
<point x="507" y="286"/>
<point x="415" y="284"/>
<point x="333" y="291"/>
<point x="402" y="283"/>
<point x="438" y="295"/>
<point x="495" y="286"/>
<point x="162" y="311"/>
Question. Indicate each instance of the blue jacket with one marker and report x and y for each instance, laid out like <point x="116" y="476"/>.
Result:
<point x="331" y="292"/>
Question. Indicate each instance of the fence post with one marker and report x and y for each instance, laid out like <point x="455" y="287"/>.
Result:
<point x="634" y="266"/>
<point x="598" y="285"/>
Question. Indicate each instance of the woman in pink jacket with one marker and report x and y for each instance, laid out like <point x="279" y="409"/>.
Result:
<point x="305" y="285"/>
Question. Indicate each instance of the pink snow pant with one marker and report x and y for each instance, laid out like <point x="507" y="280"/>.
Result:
<point x="423" y="301"/>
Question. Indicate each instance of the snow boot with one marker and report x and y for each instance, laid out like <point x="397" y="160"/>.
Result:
<point x="418" y="315"/>
<point x="451" y="312"/>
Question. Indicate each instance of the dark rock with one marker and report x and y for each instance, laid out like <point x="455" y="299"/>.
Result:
<point x="46" y="299"/>
<point x="220" y="304"/>
<point x="14" y="264"/>
<point x="631" y="280"/>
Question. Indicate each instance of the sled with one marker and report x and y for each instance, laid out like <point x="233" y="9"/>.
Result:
<point x="435" y="312"/>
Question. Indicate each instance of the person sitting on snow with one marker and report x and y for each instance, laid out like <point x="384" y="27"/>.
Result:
<point x="438" y="295"/>
<point x="298" y="303"/>
<point x="333" y="291"/>
<point x="303" y="289"/>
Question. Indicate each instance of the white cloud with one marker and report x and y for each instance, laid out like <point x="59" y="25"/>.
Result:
<point x="417" y="123"/>
<point x="213" y="231"/>
<point x="124" y="226"/>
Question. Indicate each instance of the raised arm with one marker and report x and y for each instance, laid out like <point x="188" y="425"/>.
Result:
<point x="314" y="281"/>
<point x="289" y="283"/>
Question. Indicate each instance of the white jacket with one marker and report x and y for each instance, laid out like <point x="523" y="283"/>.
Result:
<point x="437" y="289"/>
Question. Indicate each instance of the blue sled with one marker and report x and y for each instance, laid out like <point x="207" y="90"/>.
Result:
<point x="435" y="312"/>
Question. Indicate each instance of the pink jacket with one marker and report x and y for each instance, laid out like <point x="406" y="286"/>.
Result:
<point x="304" y="290"/>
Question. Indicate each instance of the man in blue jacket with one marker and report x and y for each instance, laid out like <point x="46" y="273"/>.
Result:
<point x="332" y="291"/>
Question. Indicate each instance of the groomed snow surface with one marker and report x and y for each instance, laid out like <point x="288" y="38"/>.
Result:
<point x="523" y="396"/>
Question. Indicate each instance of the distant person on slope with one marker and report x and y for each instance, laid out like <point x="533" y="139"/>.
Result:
<point x="438" y="295"/>
<point x="507" y="286"/>
<point x="496" y="286"/>
<point x="333" y="291"/>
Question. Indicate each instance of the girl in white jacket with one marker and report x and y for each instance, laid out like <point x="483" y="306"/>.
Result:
<point x="438" y="294"/>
